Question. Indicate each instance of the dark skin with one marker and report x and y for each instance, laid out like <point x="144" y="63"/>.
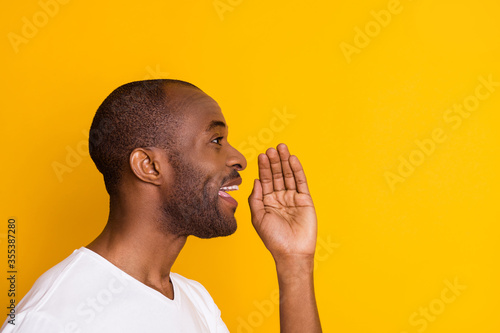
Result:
<point x="282" y="210"/>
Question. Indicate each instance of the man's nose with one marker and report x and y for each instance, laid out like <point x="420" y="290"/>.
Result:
<point x="236" y="159"/>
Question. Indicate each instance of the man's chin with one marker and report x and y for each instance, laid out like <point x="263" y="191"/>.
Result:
<point x="229" y="229"/>
<point x="232" y="230"/>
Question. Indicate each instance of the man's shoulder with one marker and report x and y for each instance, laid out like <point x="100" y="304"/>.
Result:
<point x="63" y="265"/>
<point x="44" y="290"/>
<point x="195" y="295"/>
<point x="49" y="281"/>
<point x="186" y="283"/>
<point x="82" y="273"/>
<point x="193" y="289"/>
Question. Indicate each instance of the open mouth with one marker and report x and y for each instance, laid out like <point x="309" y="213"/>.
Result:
<point x="226" y="196"/>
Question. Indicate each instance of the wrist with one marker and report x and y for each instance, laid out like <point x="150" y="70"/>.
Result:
<point x="294" y="267"/>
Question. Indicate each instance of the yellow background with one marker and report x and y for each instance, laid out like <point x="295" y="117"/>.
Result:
<point x="388" y="251"/>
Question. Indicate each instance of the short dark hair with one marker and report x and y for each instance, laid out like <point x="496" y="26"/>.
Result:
<point x="136" y="114"/>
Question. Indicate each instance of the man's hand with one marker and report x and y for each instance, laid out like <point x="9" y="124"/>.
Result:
<point x="283" y="215"/>
<point x="282" y="209"/>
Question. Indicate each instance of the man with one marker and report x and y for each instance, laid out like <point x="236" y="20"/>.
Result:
<point x="162" y="148"/>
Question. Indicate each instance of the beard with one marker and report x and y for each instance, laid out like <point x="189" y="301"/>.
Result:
<point x="192" y="206"/>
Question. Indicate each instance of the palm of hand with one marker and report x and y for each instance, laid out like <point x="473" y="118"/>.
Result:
<point x="283" y="212"/>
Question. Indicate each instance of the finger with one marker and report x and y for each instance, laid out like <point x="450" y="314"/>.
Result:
<point x="256" y="202"/>
<point x="265" y="175"/>
<point x="300" y="176"/>
<point x="274" y="159"/>
<point x="285" y="166"/>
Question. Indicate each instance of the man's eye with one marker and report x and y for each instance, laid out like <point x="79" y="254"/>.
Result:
<point x="218" y="140"/>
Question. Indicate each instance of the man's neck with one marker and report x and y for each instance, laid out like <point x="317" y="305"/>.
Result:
<point x="137" y="246"/>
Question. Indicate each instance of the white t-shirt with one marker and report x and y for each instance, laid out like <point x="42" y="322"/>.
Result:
<point x="86" y="293"/>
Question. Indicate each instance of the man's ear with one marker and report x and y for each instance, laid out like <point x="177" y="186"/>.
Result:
<point x="146" y="164"/>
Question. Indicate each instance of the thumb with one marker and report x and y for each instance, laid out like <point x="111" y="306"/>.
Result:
<point x="255" y="201"/>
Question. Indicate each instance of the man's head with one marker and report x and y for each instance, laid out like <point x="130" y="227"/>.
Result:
<point x="167" y="139"/>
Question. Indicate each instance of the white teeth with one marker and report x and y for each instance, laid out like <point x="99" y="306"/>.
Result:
<point x="229" y="188"/>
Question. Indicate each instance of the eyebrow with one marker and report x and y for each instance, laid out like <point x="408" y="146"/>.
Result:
<point x="215" y="123"/>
